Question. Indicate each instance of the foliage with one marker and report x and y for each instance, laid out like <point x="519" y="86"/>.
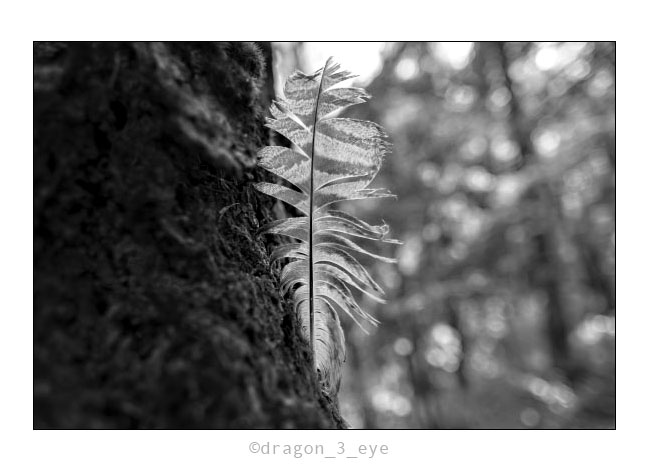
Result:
<point x="502" y="305"/>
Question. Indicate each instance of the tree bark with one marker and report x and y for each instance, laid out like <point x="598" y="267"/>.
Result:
<point x="154" y="302"/>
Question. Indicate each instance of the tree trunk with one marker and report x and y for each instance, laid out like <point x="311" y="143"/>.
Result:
<point x="548" y="273"/>
<point x="154" y="302"/>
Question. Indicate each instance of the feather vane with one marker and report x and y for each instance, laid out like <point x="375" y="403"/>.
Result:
<point x="332" y="160"/>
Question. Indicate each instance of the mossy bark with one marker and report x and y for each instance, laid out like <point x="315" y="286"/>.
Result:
<point x="154" y="302"/>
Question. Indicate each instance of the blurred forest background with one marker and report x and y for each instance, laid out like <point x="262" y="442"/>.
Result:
<point x="501" y="310"/>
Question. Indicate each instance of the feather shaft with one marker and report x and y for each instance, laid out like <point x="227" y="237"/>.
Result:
<point x="311" y="252"/>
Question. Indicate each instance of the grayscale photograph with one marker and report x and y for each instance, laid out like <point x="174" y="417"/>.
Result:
<point x="324" y="235"/>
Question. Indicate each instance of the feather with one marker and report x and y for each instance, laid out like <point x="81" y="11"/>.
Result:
<point x="332" y="160"/>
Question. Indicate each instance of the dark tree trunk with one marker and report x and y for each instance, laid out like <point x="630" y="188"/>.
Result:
<point x="548" y="274"/>
<point x="154" y="304"/>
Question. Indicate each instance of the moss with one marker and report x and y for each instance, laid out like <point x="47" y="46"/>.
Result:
<point x="154" y="305"/>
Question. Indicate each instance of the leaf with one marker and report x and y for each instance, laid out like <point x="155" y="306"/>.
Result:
<point x="333" y="160"/>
